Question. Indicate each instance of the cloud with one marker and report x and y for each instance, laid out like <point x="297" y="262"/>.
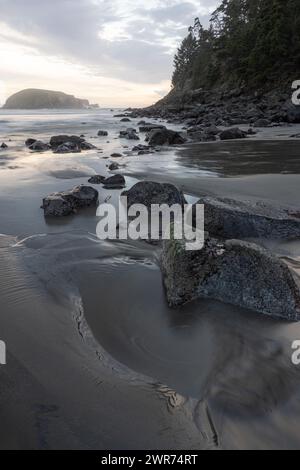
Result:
<point x="128" y="40"/>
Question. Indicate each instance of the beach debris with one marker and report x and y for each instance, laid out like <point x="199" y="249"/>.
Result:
<point x="68" y="202"/>
<point x="232" y="271"/>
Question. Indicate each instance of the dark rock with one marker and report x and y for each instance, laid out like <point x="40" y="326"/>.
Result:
<point x="68" y="147"/>
<point x="102" y="133"/>
<point x="230" y="218"/>
<point x="113" y="166"/>
<point x="125" y="119"/>
<point x="149" y="192"/>
<point x="29" y="142"/>
<point x="58" y="140"/>
<point x="234" y="133"/>
<point x="116" y="155"/>
<point x="3" y="146"/>
<point x="129" y="134"/>
<point x="203" y="137"/>
<point x="114" y="182"/>
<point x="234" y="272"/>
<point x="148" y="127"/>
<point x="68" y="202"/>
<point x="96" y="179"/>
<point x="87" y="146"/>
<point x="165" y="137"/>
<point x="293" y="114"/>
<point x="262" y="123"/>
<point x="39" y="146"/>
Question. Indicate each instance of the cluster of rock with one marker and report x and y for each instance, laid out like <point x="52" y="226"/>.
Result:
<point x="60" y="144"/>
<point x="228" y="268"/>
<point x="224" y="108"/>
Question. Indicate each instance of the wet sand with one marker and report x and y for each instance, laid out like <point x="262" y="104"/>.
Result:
<point x="96" y="358"/>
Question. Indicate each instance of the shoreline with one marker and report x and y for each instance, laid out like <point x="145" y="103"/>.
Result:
<point x="74" y="397"/>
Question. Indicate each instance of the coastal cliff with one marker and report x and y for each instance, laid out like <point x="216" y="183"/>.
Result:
<point x="241" y="68"/>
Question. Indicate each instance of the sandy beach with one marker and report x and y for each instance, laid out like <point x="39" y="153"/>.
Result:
<point x="95" y="357"/>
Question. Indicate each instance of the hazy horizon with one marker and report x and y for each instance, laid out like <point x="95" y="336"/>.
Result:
<point x="117" y="53"/>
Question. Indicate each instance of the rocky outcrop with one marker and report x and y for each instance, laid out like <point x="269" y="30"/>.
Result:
<point x="102" y="133"/>
<point x="68" y="202"/>
<point x="3" y="146"/>
<point x="230" y="218"/>
<point x="234" y="272"/>
<point x="165" y="137"/>
<point x="149" y="192"/>
<point x="44" y="99"/>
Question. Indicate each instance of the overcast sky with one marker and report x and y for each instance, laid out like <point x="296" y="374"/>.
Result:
<point x="115" y="53"/>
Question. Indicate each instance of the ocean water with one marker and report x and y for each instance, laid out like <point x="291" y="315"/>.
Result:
<point x="100" y="358"/>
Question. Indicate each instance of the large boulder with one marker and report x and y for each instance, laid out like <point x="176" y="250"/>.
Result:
<point x="235" y="272"/>
<point x="149" y="192"/>
<point x="102" y="133"/>
<point x="228" y="218"/>
<point x="114" y="182"/>
<point x="3" y="146"/>
<point x="234" y="133"/>
<point x="165" y="137"/>
<point x="68" y="202"/>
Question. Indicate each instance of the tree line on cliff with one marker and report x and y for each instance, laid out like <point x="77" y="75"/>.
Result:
<point x="248" y="43"/>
